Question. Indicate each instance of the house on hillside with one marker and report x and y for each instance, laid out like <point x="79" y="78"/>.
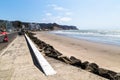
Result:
<point x="34" y="27"/>
<point x="7" y="26"/>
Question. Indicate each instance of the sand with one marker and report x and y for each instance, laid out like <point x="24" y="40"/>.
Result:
<point x="106" y="56"/>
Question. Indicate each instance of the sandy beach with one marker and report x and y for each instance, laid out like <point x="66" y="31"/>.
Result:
<point x="106" y="56"/>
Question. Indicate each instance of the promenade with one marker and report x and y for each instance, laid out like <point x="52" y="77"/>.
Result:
<point x="16" y="63"/>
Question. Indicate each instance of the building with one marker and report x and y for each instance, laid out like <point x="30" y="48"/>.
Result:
<point x="34" y="27"/>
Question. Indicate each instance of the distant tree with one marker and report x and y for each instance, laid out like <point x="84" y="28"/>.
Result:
<point x="17" y="24"/>
<point x="2" y="25"/>
<point x="55" y="24"/>
<point x="26" y="24"/>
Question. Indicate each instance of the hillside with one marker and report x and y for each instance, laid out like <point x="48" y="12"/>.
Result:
<point x="38" y="26"/>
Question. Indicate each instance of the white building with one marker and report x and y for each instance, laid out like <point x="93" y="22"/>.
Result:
<point x="34" y="26"/>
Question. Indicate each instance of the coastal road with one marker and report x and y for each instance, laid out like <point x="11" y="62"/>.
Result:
<point x="11" y="37"/>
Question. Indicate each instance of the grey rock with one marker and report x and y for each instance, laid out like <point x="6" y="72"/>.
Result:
<point x="84" y="65"/>
<point x="65" y="59"/>
<point x="107" y="73"/>
<point x="75" y="61"/>
<point x="93" y="67"/>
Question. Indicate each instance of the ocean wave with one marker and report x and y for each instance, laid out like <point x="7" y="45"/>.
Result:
<point x="104" y="36"/>
<point x="114" y="33"/>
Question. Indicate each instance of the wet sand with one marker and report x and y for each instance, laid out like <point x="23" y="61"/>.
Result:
<point x="106" y="56"/>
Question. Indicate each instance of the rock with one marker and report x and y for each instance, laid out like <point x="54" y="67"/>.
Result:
<point x="92" y="67"/>
<point x="47" y="52"/>
<point x="30" y="33"/>
<point x="84" y="65"/>
<point x="75" y="61"/>
<point x="57" y="53"/>
<point x="37" y="41"/>
<point x="42" y="45"/>
<point x="65" y="59"/>
<point x="33" y="38"/>
<point x="48" y="47"/>
<point x="107" y="73"/>
<point x="117" y="76"/>
<point x="52" y="53"/>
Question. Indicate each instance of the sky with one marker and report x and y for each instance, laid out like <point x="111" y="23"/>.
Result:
<point x="85" y="14"/>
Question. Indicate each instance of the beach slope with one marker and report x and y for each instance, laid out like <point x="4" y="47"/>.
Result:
<point x="106" y="56"/>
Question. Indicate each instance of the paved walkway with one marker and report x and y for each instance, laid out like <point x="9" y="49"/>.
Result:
<point x="16" y="64"/>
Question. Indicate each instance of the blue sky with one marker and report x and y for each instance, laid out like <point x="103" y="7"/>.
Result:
<point x="86" y="14"/>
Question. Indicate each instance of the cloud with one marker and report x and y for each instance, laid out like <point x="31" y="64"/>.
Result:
<point x="57" y="19"/>
<point x="68" y="13"/>
<point x="57" y="14"/>
<point x="48" y="14"/>
<point x="59" y="8"/>
<point x="56" y="7"/>
<point x="65" y="19"/>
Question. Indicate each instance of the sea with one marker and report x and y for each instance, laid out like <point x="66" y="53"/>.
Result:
<point x="111" y="37"/>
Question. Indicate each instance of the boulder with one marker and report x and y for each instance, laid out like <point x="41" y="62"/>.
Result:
<point x="117" y="76"/>
<point x="75" y="61"/>
<point x="47" y="52"/>
<point x="64" y="59"/>
<point x="92" y="67"/>
<point x="48" y="47"/>
<point x="84" y="65"/>
<point x="42" y="45"/>
<point x="36" y="41"/>
<point x="107" y="73"/>
<point x="52" y="53"/>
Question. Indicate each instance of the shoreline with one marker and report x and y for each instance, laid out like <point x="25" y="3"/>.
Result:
<point x="105" y="56"/>
<point x="97" y="39"/>
<point x="97" y="42"/>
